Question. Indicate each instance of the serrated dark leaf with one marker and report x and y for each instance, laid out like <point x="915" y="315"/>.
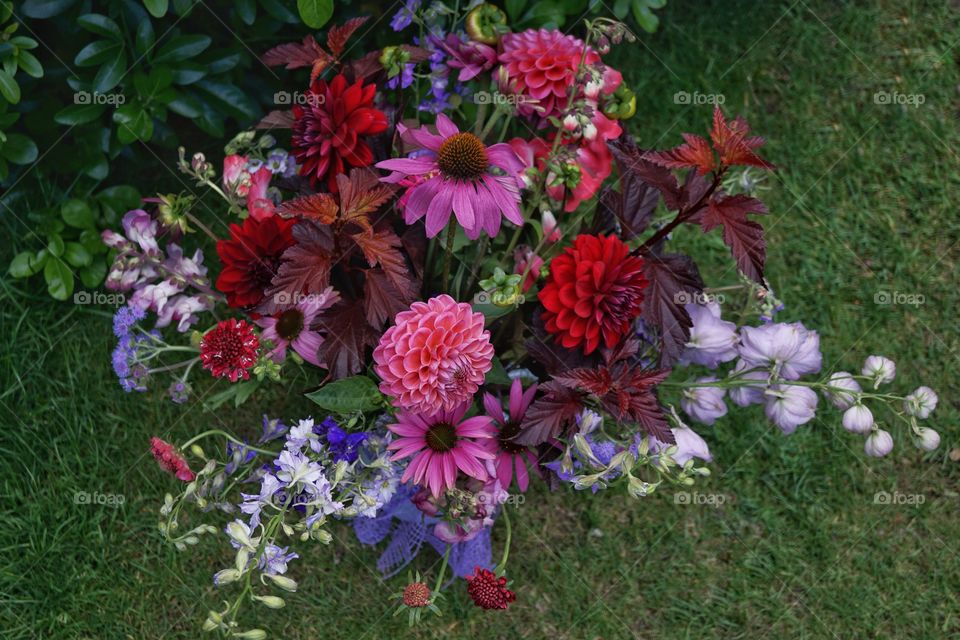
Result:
<point x="734" y="143"/>
<point x="361" y="194"/>
<point x="550" y="414"/>
<point x="695" y="152"/>
<point x="338" y="35"/>
<point x="381" y="300"/>
<point x="674" y="281"/>
<point x="321" y="207"/>
<point x="347" y="338"/>
<point x="304" y="268"/>
<point x="630" y="158"/>
<point x="276" y="120"/>
<point x="414" y="241"/>
<point x="382" y="248"/>
<point x="743" y="236"/>
<point x="295" y="55"/>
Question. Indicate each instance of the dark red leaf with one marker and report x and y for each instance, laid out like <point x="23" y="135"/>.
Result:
<point x="549" y="414"/>
<point x="631" y="159"/>
<point x="276" y="120"/>
<point x="381" y="299"/>
<point x="734" y="144"/>
<point x="382" y="248"/>
<point x="743" y="236"/>
<point x="695" y="152"/>
<point x="594" y="381"/>
<point x="414" y="241"/>
<point x="348" y="336"/>
<point x="360" y="195"/>
<point x="305" y="268"/>
<point x="674" y="281"/>
<point x="295" y="55"/>
<point x="338" y="35"/>
<point x="321" y="207"/>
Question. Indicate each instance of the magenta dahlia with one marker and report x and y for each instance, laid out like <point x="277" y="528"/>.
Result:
<point x="509" y="453"/>
<point x="479" y="184"/>
<point x="229" y="350"/>
<point x="441" y="444"/>
<point x="435" y="356"/>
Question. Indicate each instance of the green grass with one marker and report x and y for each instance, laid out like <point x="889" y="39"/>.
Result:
<point x="864" y="202"/>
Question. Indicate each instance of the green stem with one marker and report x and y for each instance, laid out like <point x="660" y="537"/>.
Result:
<point x="443" y="569"/>
<point x="448" y="256"/>
<point x="219" y="432"/>
<point x="506" y="547"/>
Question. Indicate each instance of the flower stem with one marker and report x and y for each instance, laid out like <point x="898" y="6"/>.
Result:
<point x="219" y="432"/>
<point x="448" y="256"/>
<point x="443" y="569"/>
<point x="506" y="547"/>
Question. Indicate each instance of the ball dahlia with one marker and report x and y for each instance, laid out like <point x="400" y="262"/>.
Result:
<point x="251" y="257"/>
<point x="328" y="130"/>
<point x="435" y="356"/>
<point x="593" y="293"/>
<point x="229" y="349"/>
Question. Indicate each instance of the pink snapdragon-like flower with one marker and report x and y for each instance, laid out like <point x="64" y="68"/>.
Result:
<point x="479" y="184"/>
<point x="435" y="357"/>
<point x="712" y="340"/>
<point x="789" y="406"/>
<point x="441" y="445"/>
<point x="509" y="454"/>
<point x="259" y="204"/>
<point x="171" y="460"/>
<point x="793" y="348"/>
<point x="292" y="328"/>
<point x="236" y="179"/>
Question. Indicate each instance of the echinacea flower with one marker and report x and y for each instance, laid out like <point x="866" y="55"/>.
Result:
<point x="171" y="460"/>
<point x="488" y="591"/>
<point x="593" y="294"/>
<point x="441" y="445"/>
<point x="291" y="328"/>
<point x="435" y="356"/>
<point x="479" y="184"/>
<point x="329" y="130"/>
<point x="251" y="257"/>
<point x="229" y="350"/>
<point x="511" y="455"/>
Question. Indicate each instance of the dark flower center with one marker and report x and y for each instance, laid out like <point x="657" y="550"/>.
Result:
<point x="290" y="324"/>
<point x="463" y="156"/>
<point x="507" y="432"/>
<point x="441" y="437"/>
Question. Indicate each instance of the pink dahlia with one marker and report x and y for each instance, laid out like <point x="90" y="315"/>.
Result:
<point x="441" y="444"/>
<point x="435" y="356"/>
<point x="509" y="453"/>
<point x="478" y="183"/>
<point x="291" y="328"/>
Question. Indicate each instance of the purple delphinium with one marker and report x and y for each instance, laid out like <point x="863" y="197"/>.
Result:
<point x="272" y="429"/>
<point x="274" y="559"/>
<point x="712" y="340"/>
<point x="704" y="404"/>
<point x="404" y="17"/>
<point x="748" y="394"/>
<point x="689" y="445"/>
<point x="403" y="79"/>
<point x="792" y="349"/>
<point x="788" y="406"/>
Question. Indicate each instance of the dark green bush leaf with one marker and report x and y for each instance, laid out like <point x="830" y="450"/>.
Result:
<point x="77" y="255"/>
<point x="45" y="8"/>
<point x="97" y="52"/>
<point x="29" y="63"/>
<point x="134" y="123"/>
<point x="315" y="13"/>
<point x="56" y="246"/>
<point x="59" y="279"/>
<point x="9" y="88"/>
<point x="110" y="73"/>
<point x="92" y="275"/>
<point x="348" y="395"/>
<point x="182" y="48"/>
<point x="19" y="149"/>
<point x="157" y="8"/>
<point x="21" y="265"/>
<point x="145" y="37"/>
<point x="79" y="113"/>
<point x="77" y="213"/>
<point x="101" y="25"/>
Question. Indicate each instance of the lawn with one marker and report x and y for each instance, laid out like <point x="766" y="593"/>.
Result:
<point x="864" y="205"/>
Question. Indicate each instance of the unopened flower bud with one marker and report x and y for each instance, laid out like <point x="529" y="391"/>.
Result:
<point x="881" y="369"/>
<point x="921" y="403"/>
<point x="843" y="390"/>
<point x="878" y="444"/>
<point x="196" y="450"/>
<point x="570" y="123"/>
<point x="272" y="602"/>
<point x="589" y="131"/>
<point x="285" y="583"/>
<point x="927" y="439"/>
<point x="226" y="576"/>
<point x="858" y="419"/>
<point x="253" y="634"/>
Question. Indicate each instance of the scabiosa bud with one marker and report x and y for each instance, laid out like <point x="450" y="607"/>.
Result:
<point x="921" y="403"/>
<point x="858" y="419"/>
<point x="881" y="369"/>
<point x="488" y="591"/>
<point x="843" y="391"/>
<point x="927" y="439"/>
<point x="416" y="594"/>
<point x="171" y="460"/>
<point x="789" y="406"/>
<point x="704" y="404"/>
<point x="878" y="444"/>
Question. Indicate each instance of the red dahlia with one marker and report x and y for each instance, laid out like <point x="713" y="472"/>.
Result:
<point x="251" y="257"/>
<point x="229" y="349"/>
<point x="595" y="290"/>
<point x="327" y="129"/>
<point x="488" y="591"/>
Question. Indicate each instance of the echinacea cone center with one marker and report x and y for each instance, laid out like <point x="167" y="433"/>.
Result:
<point x="290" y="324"/>
<point x="505" y="438"/>
<point x="463" y="155"/>
<point x="441" y="437"/>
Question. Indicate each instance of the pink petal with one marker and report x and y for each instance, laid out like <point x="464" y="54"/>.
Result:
<point x="505" y="469"/>
<point x="449" y="471"/>
<point x="435" y="475"/>
<point x="469" y="465"/>
<point x="446" y="127"/>
<point x="463" y="197"/>
<point x="475" y="427"/>
<point x="503" y="156"/>
<point x="409" y="166"/>
<point x="421" y="196"/>
<point x="475" y="450"/>
<point x="492" y="406"/>
<point x="439" y="211"/>
<point x="505" y="201"/>
<point x="307" y="344"/>
<point x="523" y="478"/>
<point x="516" y="396"/>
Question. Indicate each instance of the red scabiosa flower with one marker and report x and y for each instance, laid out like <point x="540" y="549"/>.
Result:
<point x="435" y="356"/>
<point x="593" y="293"/>
<point x="509" y="453"/>
<point x="171" y="460"/>
<point x="328" y="131"/>
<point x="416" y="595"/>
<point x="488" y="591"/>
<point x="251" y="257"/>
<point x="441" y="444"/>
<point x="229" y="349"/>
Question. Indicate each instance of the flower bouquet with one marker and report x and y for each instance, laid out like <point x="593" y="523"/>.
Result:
<point x="464" y="261"/>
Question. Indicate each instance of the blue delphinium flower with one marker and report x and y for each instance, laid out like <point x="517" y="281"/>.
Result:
<point x="274" y="559"/>
<point x="404" y="17"/>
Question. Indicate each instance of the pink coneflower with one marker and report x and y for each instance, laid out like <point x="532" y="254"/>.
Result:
<point x="435" y="356"/>
<point x="509" y="453"/>
<point x="291" y="328"/>
<point x="229" y="349"/>
<point x="478" y="183"/>
<point x="171" y="460"/>
<point x="441" y="445"/>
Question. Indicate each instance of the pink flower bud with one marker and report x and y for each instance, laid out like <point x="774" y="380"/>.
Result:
<point x="878" y="444"/>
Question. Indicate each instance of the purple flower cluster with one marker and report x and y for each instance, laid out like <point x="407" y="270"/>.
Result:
<point x="127" y="358"/>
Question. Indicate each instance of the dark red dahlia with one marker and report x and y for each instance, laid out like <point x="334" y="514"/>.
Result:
<point x="251" y="257"/>
<point x="327" y="130"/>
<point x="229" y="349"/>
<point x="594" y="292"/>
<point x="488" y="591"/>
<point x="170" y="459"/>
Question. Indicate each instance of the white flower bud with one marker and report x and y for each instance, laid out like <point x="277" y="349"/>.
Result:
<point x="197" y="451"/>
<point x="850" y="390"/>
<point x="589" y="131"/>
<point x="253" y="634"/>
<point x="927" y="439"/>
<point x="881" y="369"/>
<point x="272" y="602"/>
<point x="226" y="576"/>
<point x="285" y="583"/>
<point x="921" y="403"/>
<point x="878" y="444"/>
<point x="858" y="419"/>
<point x="570" y="123"/>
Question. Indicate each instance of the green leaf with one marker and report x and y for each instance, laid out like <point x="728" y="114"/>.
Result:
<point x="182" y="48"/>
<point x="150" y="85"/>
<point x="77" y="255"/>
<point x="45" y="8"/>
<point x="644" y="16"/>
<point x="19" y="149"/>
<point x="29" y="63"/>
<point x="157" y="8"/>
<point x="77" y="213"/>
<point x="277" y="10"/>
<point x="23" y="42"/>
<point x="118" y="199"/>
<point x="185" y="105"/>
<point x="59" y="279"/>
<point x="230" y="98"/>
<point x="79" y="113"/>
<point x="91" y="240"/>
<point x="238" y="392"/>
<point x="110" y="73"/>
<point x="188" y="73"/>
<point x="145" y="37"/>
<point x="56" y="246"/>
<point x="497" y="374"/>
<point x="247" y="10"/>
<point x="515" y="9"/>
<point x="91" y="276"/>
<point x="315" y="13"/>
<point x="21" y="265"/>
<point x="101" y="25"/>
<point x="97" y="52"/>
<point x="348" y="395"/>
<point x="134" y="123"/>
<point x="9" y="88"/>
